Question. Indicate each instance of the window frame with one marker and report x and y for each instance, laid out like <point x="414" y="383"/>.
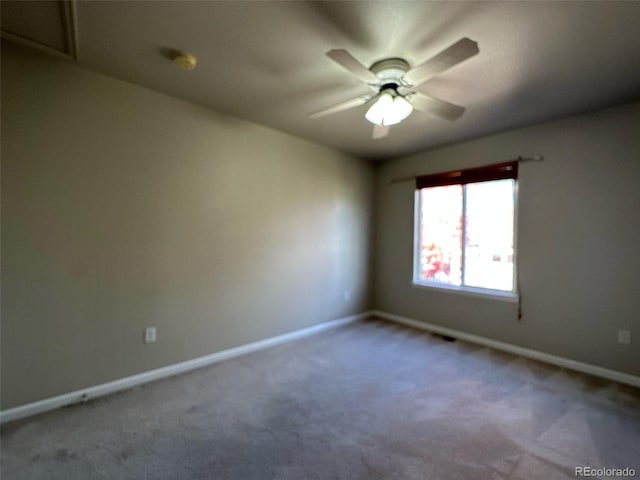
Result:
<point x="503" y="295"/>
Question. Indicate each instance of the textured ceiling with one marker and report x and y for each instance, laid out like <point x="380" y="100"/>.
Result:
<point x="265" y="61"/>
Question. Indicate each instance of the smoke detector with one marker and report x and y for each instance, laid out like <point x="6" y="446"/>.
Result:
<point x="186" y="61"/>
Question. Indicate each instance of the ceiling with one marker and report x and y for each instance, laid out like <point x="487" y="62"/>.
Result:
<point x="265" y="61"/>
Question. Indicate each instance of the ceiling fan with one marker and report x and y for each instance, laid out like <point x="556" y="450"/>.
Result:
<point x="394" y="81"/>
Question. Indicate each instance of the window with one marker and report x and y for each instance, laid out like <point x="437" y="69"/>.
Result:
<point x="465" y="230"/>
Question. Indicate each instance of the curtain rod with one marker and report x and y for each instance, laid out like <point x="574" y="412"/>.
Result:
<point x="533" y="158"/>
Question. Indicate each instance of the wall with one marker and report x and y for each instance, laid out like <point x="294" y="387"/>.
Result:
<point x="123" y="208"/>
<point x="578" y="239"/>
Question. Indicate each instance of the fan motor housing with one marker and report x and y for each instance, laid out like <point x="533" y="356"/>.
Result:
<point x="390" y="70"/>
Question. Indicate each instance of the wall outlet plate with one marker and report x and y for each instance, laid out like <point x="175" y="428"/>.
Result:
<point x="150" y="335"/>
<point x="624" y="336"/>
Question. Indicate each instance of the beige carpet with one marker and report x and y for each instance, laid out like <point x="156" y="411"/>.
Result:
<point x="367" y="401"/>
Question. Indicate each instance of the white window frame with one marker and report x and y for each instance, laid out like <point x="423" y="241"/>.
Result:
<point x="503" y="295"/>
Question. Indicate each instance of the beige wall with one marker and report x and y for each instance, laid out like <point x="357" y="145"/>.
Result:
<point x="123" y="208"/>
<point x="578" y="238"/>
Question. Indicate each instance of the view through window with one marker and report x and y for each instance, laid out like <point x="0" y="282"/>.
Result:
<point x="465" y="235"/>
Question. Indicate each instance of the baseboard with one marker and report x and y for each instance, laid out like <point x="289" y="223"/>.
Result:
<point x="507" y="347"/>
<point x="95" y="391"/>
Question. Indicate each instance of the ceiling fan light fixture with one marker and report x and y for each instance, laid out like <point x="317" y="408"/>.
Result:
<point x="389" y="109"/>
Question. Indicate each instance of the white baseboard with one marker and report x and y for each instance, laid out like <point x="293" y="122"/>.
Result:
<point x="95" y="391"/>
<point x="88" y="393"/>
<point x="507" y="347"/>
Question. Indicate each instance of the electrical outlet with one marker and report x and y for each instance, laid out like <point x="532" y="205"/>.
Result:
<point x="624" y="336"/>
<point x="150" y="335"/>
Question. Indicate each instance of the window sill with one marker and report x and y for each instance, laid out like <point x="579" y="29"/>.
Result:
<point x="470" y="291"/>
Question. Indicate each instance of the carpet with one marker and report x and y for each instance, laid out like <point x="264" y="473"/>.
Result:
<point x="369" y="400"/>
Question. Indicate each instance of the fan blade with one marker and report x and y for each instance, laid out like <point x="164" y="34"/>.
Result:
<point x="380" y="131"/>
<point x="456" y="53"/>
<point x="347" y="104"/>
<point x="346" y="60"/>
<point x="428" y="104"/>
